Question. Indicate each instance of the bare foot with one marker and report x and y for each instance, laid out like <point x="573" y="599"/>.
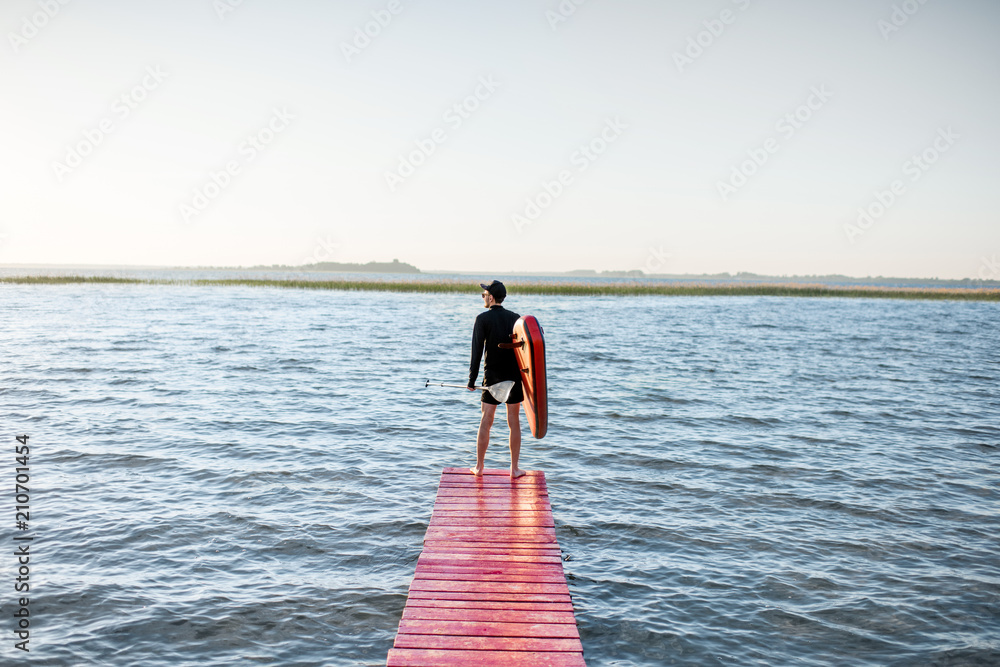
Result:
<point x="478" y="471"/>
<point x="516" y="472"/>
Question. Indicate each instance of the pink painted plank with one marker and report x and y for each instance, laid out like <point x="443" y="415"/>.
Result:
<point x="466" y="504"/>
<point x="488" y="587"/>
<point x="498" y="489"/>
<point x="515" y="549"/>
<point x="488" y="629"/>
<point x="516" y="487"/>
<point x="455" y="498"/>
<point x="490" y="504"/>
<point x="440" y="547"/>
<point x="503" y="509"/>
<point x="498" y="519"/>
<point x="471" y="516"/>
<point x="493" y="482"/>
<point x="459" y="497"/>
<point x="487" y="577"/>
<point x="463" y="513"/>
<point x="530" y="569"/>
<point x="489" y="597"/>
<point x="484" y="577"/>
<point x="477" y="495"/>
<point x="507" y="532"/>
<point x="519" y="487"/>
<point x="494" y="537"/>
<point x="484" y="539"/>
<point x="479" y="522"/>
<point x="491" y="471"/>
<point x="487" y="615"/>
<point x="490" y="494"/>
<point x="483" y="605"/>
<point x="458" y="658"/>
<point x="541" y="553"/>
<point x="488" y="643"/>
<point x="503" y="563"/>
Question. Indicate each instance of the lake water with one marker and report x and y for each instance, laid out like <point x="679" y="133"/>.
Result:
<point x="240" y="476"/>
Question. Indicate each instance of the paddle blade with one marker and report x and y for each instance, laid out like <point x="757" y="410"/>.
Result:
<point x="501" y="390"/>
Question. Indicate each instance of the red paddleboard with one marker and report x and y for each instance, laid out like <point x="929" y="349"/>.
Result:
<point x="529" y="347"/>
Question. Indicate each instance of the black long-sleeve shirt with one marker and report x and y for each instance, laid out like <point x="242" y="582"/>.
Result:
<point x="492" y="328"/>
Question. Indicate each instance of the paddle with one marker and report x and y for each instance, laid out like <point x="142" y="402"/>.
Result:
<point x="499" y="391"/>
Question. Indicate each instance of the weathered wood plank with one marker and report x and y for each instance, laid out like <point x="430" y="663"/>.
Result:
<point x="472" y="605"/>
<point x="488" y="643"/>
<point x="535" y="549"/>
<point x="491" y="471"/>
<point x="540" y="578"/>
<point x="482" y="558"/>
<point x="488" y="587"/>
<point x="488" y="597"/>
<point x="516" y="574"/>
<point x="460" y="658"/>
<point x="488" y="615"/>
<point x="493" y="522"/>
<point x="488" y="629"/>
<point x="529" y="569"/>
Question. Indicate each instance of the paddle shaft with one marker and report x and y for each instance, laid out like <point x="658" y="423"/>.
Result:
<point x="500" y="391"/>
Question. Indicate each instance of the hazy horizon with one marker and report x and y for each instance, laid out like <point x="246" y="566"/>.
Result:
<point x="472" y="272"/>
<point x="856" y="138"/>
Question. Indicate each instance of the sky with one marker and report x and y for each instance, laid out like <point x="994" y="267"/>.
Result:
<point x="778" y="137"/>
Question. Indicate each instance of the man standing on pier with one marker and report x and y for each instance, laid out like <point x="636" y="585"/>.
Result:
<point x="493" y="327"/>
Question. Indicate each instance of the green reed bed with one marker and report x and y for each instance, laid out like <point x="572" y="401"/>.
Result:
<point x="557" y="289"/>
<point x="68" y="280"/>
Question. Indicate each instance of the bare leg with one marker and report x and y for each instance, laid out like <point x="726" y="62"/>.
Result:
<point x="483" y="437"/>
<point x="514" y="424"/>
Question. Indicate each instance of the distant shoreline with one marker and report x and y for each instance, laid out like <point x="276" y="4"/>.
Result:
<point x="555" y="289"/>
<point x="395" y="267"/>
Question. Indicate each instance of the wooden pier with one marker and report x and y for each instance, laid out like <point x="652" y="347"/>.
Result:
<point x="489" y="587"/>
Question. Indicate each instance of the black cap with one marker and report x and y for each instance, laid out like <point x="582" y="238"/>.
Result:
<point x="497" y="289"/>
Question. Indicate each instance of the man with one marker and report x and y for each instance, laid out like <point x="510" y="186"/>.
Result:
<point x="492" y="328"/>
